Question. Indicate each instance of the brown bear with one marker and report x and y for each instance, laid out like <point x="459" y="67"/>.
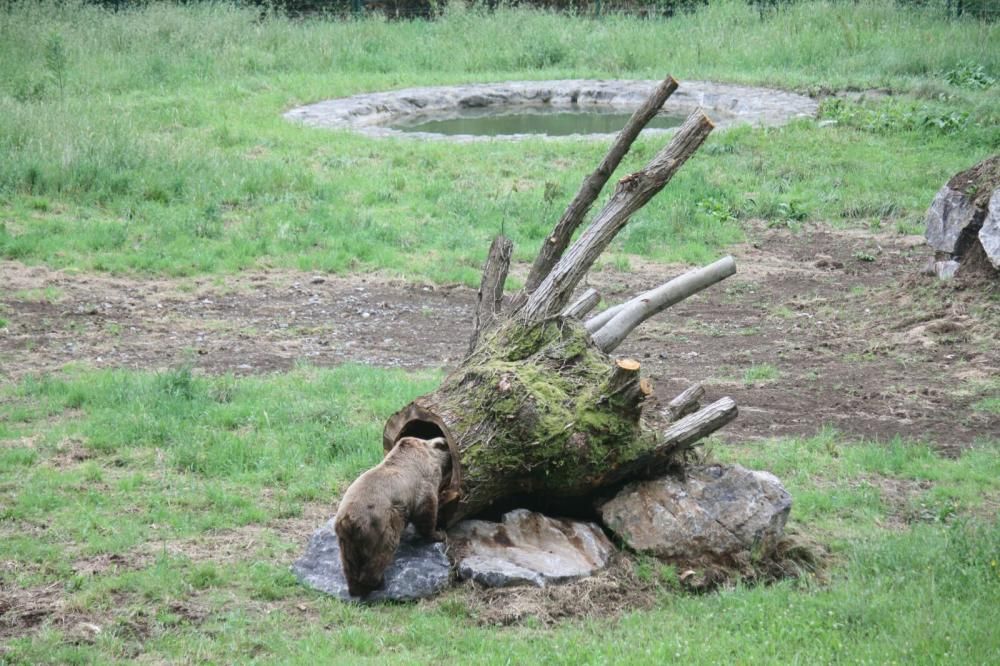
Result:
<point x="377" y="506"/>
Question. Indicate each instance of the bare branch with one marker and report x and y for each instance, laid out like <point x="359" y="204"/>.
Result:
<point x="631" y="194"/>
<point x="654" y="301"/>
<point x="683" y="434"/>
<point x="686" y="402"/>
<point x="601" y="318"/>
<point x="556" y="242"/>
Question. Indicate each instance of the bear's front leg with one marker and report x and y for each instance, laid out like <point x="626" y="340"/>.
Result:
<point x="425" y="519"/>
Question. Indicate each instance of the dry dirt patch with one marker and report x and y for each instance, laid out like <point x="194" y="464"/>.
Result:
<point x="857" y="341"/>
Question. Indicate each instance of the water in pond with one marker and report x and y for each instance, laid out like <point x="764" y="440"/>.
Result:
<point x="553" y="121"/>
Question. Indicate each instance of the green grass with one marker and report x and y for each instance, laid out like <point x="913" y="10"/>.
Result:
<point x="164" y="470"/>
<point x="990" y="405"/>
<point x="151" y="140"/>
<point x="760" y="374"/>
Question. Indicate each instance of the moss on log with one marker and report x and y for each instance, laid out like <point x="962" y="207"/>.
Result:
<point x="533" y="411"/>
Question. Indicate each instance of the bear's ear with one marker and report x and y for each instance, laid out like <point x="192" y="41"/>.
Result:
<point x="438" y="443"/>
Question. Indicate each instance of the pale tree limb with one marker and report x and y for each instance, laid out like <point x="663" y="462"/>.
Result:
<point x="587" y="301"/>
<point x="601" y="318"/>
<point x="490" y="298"/>
<point x="556" y="243"/>
<point x="654" y="301"/>
<point x="631" y="194"/>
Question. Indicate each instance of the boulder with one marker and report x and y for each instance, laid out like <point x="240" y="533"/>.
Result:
<point x="527" y="548"/>
<point x="950" y="213"/>
<point x="420" y="568"/>
<point x="716" y="514"/>
<point x="964" y="218"/>
<point x="989" y="234"/>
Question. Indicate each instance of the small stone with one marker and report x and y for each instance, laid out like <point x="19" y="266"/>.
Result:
<point x="87" y="631"/>
<point x="527" y="548"/>
<point x="318" y="279"/>
<point x="420" y="568"/>
<point x="716" y="513"/>
<point x="946" y="270"/>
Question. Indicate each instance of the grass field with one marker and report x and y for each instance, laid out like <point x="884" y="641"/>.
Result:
<point x="153" y="141"/>
<point x="150" y="515"/>
<point x="154" y="480"/>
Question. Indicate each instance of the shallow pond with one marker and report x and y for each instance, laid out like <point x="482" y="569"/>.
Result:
<point x="551" y="121"/>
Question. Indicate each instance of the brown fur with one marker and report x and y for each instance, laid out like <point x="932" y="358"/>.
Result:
<point x="377" y="506"/>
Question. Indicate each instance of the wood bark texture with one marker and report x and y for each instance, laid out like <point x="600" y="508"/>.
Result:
<point x="578" y="309"/>
<point x="685" y="403"/>
<point x="557" y="242"/>
<point x="632" y="193"/>
<point x="490" y="297"/>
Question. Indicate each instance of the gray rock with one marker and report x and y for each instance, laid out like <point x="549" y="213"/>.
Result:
<point x="420" y="569"/>
<point x="945" y="270"/>
<point x="720" y="513"/>
<point x="728" y="105"/>
<point x="527" y="548"/>
<point x="989" y="235"/>
<point x="950" y="213"/>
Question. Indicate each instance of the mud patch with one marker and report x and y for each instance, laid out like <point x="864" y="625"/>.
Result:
<point x="854" y="341"/>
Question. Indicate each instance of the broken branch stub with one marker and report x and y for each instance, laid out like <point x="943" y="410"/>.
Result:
<point x="489" y="300"/>
<point x="587" y="301"/>
<point x="632" y="193"/>
<point x="685" y="403"/>
<point x="654" y="301"/>
<point x="678" y="437"/>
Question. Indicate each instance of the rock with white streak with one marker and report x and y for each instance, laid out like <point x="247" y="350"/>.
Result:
<point x="722" y="514"/>
<point x="527" y="548"/>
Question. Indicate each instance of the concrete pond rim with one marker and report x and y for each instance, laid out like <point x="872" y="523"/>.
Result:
<point x="371" y="114"/>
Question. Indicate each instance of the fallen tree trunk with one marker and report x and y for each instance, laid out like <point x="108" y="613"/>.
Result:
<point x="538" y="407"/>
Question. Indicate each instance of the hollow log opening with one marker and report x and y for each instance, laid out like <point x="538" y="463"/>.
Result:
<point x="539" y="412"/>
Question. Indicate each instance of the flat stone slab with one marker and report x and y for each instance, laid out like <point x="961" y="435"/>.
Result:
<point x="727" y="105"/>
<point x="722" y="513"/>
<point x="527" y="548"/>
<point x="421" y="568"/>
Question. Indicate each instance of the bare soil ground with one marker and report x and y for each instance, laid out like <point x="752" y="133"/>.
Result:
<point x="860" y="341"/>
